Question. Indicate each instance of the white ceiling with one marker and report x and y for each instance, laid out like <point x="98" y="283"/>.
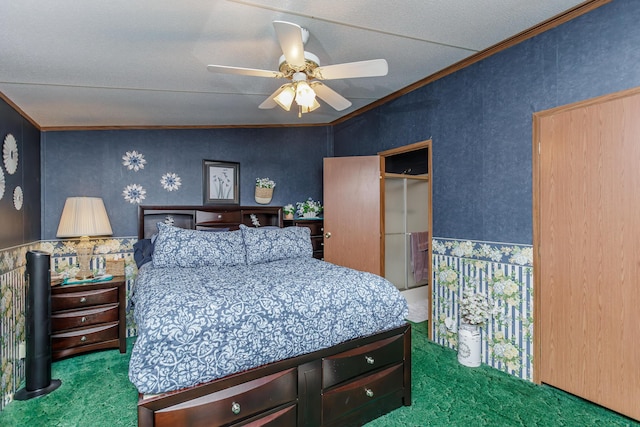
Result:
<point x="70" y="63"/>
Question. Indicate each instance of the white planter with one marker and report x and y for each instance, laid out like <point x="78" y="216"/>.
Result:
<point x="469" y="345"/>
<point x="309" y="215"/>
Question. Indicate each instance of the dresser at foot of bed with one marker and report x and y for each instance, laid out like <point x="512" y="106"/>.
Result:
<point x="346" y="385"/>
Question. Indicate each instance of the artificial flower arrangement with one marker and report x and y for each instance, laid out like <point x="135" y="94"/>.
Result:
<point x="288" y="209"/>
<point x="474" y="308"/>
<point x="309" y="208"/>
<point x="264" y="190"/>
<point x="265" y="183"/>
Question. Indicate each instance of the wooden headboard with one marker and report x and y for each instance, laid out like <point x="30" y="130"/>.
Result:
<point x="205" y="217"/>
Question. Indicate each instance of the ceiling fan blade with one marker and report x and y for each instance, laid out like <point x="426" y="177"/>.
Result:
<point x="244" y="71"/>
<point x="350" y="70"/>
<point x="330" y="96"/>
<point x="291" y="43"/>
<point x="269" y="102"/>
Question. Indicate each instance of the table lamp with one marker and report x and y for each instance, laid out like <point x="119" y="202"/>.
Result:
<point x="84" y="217"/>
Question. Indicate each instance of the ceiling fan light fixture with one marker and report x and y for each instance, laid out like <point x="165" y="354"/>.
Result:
<point x="305" y="96"/>
<point x="313" y="107"/>
<point x="286" y="97"/>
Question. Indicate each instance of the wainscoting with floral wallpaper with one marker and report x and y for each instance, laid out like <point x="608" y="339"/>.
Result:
<point x="504" y="274"/>
<point x="13" y="296"/>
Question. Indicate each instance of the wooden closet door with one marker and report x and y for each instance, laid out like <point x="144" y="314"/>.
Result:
<point x="588" y="236"/>
<point x="353" y="213"/>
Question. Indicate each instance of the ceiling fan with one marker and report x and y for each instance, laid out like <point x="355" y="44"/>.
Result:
<point x="304" y="71"/>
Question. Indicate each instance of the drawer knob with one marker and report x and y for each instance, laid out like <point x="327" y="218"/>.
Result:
<point x="327" y="235"/>
<point x="368" y="392"/>
<point x="235" y="408"/>
<point x="83" y="339"/>
<point x="370" y="360"/>
<point x="84" y="319"/>
<point x="83" y="299"/>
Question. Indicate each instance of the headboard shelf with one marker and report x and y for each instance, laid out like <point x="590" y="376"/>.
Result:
<point x="206" y="217"/>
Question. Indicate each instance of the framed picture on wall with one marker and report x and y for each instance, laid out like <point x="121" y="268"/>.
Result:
<point x="220" y="182"/>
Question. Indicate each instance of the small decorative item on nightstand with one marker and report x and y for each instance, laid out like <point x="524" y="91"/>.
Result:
<point x="114" y="266"/>
<point x="264" y="190"/>
<point x="309" y="208"/>
<point x="288" y="211"/>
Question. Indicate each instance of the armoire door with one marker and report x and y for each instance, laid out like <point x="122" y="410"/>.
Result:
<point x="352" y="213"/>
<point x="587" y="233"/>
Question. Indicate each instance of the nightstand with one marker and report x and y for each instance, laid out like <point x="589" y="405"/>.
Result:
<point x="316" y="225"/>
<point x="87" y="317"/>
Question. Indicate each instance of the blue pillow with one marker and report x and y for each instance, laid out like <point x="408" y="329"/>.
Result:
<point x="143" y="252"/>
<point x="179" y="247"/>
<point x="272" y="244"/>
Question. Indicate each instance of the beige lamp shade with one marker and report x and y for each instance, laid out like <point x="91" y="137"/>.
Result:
<point x="84" y="216"/>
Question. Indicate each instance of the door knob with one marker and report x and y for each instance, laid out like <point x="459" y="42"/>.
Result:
<point x="327" y="235"/>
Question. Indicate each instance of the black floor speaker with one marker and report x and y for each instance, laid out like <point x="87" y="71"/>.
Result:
<point x="38" y="380"/>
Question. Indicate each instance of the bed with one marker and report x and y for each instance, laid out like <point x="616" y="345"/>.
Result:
<point x="238" y="325"/>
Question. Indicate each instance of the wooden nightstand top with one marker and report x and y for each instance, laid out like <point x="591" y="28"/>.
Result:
<point x="76" y="287"/>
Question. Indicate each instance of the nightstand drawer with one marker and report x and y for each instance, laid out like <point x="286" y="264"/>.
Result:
<point x="79" y="318"/>
<point x="315" y="226"/>
<point x="317" y="243"/>
<point x="72" y="300"/>
<point x="361" y="360"/>
<point x="80" y="337"/>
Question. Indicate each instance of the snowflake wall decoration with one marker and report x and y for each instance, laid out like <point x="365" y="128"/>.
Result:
<point x="2" y="184"/>
<point x="133" y="160"/>
<point x="10" y="154"/>
<point x="170" y="181"/>
<point x="18" y="198"/>
<point x="134" y="193"/>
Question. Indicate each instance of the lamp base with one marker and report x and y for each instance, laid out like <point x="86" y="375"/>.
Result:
<point x="85" y="252"/>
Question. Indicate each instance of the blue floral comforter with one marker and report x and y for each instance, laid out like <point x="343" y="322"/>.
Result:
<point x="199" y="324"/>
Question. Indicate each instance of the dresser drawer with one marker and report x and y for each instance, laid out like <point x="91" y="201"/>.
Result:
<point x="350" y="364"/>
<point x="286" y="417"/>
<point x="79" y="318"/>
<point x="73" y="300"/>
<point x="84" y="336"/>
<point x="234" y="404"/>
<point x="360" y="392"/>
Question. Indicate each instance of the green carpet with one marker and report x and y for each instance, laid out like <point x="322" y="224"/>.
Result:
<point x="96" y="392"/>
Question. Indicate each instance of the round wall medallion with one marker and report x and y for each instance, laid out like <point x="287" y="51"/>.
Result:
<point x="18" y="198"/>
<point x="2" y="183"/>
<point x="10" y="154"/>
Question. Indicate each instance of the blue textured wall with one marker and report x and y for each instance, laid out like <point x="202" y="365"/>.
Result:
<point x="480" y="119"/>
<point x="89" y="163"/>
<point x="20" y="226"/>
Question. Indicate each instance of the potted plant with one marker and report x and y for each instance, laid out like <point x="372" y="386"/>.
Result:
<point x="474" y="312"/>
<point x="264" y="190"/>
<point x="288" y="210"/>
<point x="309" y="208"/>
